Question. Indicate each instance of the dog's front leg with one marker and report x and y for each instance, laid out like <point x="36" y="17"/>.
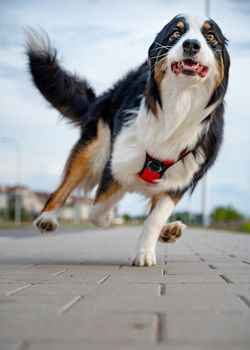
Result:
<point x="162" y="207"/>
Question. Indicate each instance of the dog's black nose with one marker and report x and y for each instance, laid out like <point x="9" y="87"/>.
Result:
<point x="191" y="47"/>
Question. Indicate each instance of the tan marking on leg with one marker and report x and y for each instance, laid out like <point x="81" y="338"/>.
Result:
<point x="111" y="190"/>
<point x="77" y="168"/>
<point x="175" y="197"/>
<point x="154" y="201"/>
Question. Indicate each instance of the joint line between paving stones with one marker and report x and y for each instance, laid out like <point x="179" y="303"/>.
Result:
<point x="69" y="305"/>
<point x="161" y="289"/>
<point x="165" y="261"/>
<point x="164" y="272"/>
<point x="59" y="272"/>
<point x="19" y="289"/>
<point x="245" y="300"/>
<point x="158" y="327"/>
<point x="212" y="267"/>
<point x="246" y="262"/>
<point x="225" y="278"/>
<point x="104" y="279"/>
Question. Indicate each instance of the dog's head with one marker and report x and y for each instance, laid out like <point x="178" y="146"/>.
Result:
<point x="189" y="50"/>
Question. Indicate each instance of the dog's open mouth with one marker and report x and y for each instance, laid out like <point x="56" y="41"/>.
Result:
<point x="189" y="67"/>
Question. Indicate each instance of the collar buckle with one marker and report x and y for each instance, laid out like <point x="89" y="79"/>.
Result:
<point x="154" y="165"/>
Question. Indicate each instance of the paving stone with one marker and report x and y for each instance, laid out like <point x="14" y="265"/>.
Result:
<point x="216" y="328"/>
<point x="23" y="305"/>
<point x="188" y="268"/>
<point x="113" y="328"/>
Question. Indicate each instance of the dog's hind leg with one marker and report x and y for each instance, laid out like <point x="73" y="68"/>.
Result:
<point x="85" y="164"/>
<point x="108" y="194"/>
<point x="76" y="169"/>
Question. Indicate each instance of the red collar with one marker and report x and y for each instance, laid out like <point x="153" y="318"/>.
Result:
<point x="154" y="169"/>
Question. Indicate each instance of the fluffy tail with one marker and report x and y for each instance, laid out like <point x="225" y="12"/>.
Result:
<point x="64" y="91"/>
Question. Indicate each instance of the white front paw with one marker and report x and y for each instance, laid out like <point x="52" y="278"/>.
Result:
<point x="145" y="257"/>
<point x="47" y="222"/>
<point x="171" y="232"/>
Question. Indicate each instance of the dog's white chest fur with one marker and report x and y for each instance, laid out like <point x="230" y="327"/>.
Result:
<point x="177" y="127"/>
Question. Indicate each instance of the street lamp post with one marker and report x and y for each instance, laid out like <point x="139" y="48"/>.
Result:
<point x="17" y="148"/>
<point x="207" y="8"/>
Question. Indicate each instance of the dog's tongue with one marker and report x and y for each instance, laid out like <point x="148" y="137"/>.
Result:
<point x="189" y="65"/>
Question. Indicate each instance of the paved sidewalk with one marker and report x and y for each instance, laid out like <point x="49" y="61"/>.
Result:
<point x="78" y="291"/>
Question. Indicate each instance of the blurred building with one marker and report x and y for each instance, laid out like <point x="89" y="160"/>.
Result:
<point x="76" y="208"/>
<point x="3" y="199"/>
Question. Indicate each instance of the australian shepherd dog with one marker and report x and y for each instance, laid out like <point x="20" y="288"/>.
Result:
<point x="156" y="131"/>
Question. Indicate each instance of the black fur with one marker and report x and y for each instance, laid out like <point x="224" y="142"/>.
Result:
<point x="69" y="94"/>
<point x="112" y="105"/>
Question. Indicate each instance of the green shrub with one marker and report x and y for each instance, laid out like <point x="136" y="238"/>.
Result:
<point x="245" y="227"/>
<point x="226" y="214"/>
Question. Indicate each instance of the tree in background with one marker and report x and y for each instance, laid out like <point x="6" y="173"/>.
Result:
<point x="226" y="214"/>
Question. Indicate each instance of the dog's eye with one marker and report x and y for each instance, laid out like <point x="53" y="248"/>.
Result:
<point x="176" y="34"/>
<point x="210" y="37"/>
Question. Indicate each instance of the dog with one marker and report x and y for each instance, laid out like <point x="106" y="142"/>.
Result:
<point x="156" y="131"/>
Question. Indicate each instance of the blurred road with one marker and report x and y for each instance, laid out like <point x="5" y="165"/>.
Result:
<point x="31" y="232"/>
<point x="77" y="291"/>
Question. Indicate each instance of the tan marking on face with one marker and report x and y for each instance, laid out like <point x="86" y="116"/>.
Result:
<point x="77" y="168"/>
<point x="111" y="190"/>
<point x="160" y="71"/>
<point x="219" y="73"/>
<point x="159" y="74"/>
<point x="151" y="101"/>
<point x="206" y="26"/>
<point x="180" y="25"/>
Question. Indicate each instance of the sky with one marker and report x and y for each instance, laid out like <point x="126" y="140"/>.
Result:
<point x="101" y="40"/>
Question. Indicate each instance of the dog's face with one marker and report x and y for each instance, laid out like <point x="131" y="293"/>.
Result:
<point x="189" y="49"/>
